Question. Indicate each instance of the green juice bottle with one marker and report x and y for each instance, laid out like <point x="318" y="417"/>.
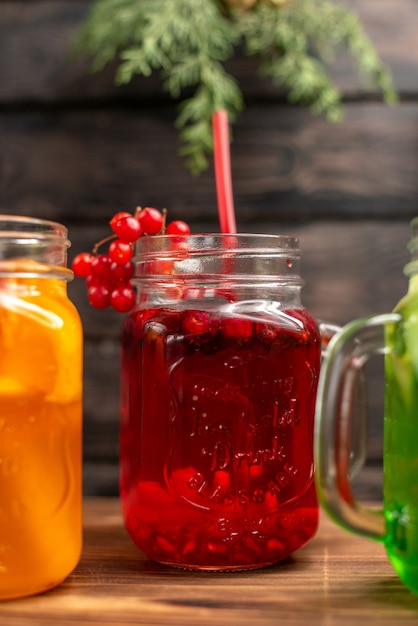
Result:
<point x="395" y="335"/>
<point x="401" y="429"/>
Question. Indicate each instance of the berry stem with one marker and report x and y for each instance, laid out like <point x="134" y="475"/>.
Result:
<point x="163" y="227"/>
<point x="101" y="243"/>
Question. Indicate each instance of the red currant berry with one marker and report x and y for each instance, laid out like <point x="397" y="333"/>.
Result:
<point x="162" y="266"/>
<point x="120" y="252"/>
<point x="236" y="328"/>
<point x="119" y="216"/>
<point x="122" y="273"/>
<point x="82" y="264"/>
<point x="151" y="220"/>
<point x="123" y="298"/>
<point x="100" y="267"/>
<point x="92" y="280"/>
<point x="99" y="296"/>
<point x="127" y="228"/>
<point x="178" y="228"/>
<point x="196" y="322"/>
<point x="265" y="333"/>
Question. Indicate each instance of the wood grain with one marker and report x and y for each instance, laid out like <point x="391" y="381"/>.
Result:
<point x="79" y="166"/>
<point x="337" y="579"/>
<point x="76" y="148"/>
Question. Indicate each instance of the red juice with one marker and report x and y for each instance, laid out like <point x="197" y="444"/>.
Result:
<point x="216" y="435"/>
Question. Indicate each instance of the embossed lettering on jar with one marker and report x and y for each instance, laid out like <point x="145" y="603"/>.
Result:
<point x="220" y="363"/>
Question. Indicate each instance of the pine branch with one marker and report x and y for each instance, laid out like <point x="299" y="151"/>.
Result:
<point x="294" y="46"/>
<point x="187" y="42"/>
<point x="110" y="27"/>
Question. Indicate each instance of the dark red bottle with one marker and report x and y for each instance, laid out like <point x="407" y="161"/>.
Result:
<point x="220" y="364"/>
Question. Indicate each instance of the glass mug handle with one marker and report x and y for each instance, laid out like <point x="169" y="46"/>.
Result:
<point x="347" y="353"/>
<point x="359" y="428"/>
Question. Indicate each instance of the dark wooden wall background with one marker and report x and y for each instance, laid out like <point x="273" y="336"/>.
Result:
<point x="75" y="148"/>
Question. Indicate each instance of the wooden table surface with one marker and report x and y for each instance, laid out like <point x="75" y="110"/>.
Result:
<point x="337" y="579"/>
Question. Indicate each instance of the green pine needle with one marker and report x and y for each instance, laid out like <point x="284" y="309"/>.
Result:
<point x="187" y="42"/>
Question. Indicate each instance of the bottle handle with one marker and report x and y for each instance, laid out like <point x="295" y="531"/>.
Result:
<point x="359" y="428"/>
<point x="347" y="353"/>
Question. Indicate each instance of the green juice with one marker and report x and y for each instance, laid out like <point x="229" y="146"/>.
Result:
<point x="401" y="440"/>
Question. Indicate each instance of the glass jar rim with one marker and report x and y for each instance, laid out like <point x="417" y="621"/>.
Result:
<point x="25" y="226"/>
<point x="253" y="242"/>
<point x="31" y="246"/>
<point x="210" y="257"/>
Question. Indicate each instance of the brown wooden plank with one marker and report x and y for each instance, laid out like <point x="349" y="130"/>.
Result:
<point x="337" y="579"/>
<point x="35" y="36"/>
<point x="287" y="165"/>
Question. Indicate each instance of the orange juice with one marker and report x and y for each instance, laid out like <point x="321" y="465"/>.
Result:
<point x="40" y="428"/>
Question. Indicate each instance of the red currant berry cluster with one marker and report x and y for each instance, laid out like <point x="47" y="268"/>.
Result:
<point x="108" y="275"/>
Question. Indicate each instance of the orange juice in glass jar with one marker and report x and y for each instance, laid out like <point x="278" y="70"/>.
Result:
<point x="40" y="409"/>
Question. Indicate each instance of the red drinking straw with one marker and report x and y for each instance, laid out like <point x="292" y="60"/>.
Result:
<point x="222" y="157"/>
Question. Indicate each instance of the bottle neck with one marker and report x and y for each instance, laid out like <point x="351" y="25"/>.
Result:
<point x="31" y="247"/>
<point x="213" y="269"/>
<point x="238" y="258"/>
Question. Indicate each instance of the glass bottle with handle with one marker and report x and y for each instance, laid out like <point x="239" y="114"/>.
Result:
<point x="394" y="335"/>
<point x="220" y="363"/>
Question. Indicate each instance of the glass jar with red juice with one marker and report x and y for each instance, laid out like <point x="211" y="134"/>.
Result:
<point x="220" y="363"/>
